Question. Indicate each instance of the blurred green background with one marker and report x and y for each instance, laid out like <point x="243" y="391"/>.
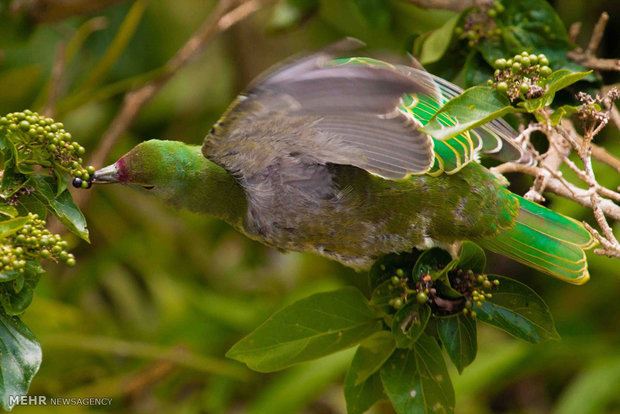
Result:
<point x="160" y="295"/>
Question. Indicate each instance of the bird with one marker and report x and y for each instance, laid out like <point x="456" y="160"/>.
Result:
<point x="325" y="154"/>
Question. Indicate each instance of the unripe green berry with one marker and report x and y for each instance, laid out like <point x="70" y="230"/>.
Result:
<point x="516" y="66"/>
<point x="499" y="63"/>
<point x="517" y="58"/>
<point x="400" y="272"/>
<point x="492" y="13"/>
<point x="395" y="279"/>
<point x="525" y="61"/>
<point x="398" y="303"/>
<point x="24" y="125"/>
<point x="543" y="61"/>
<point x="70" y="262"/>
<point x="90" y="170"/>
<point x="487" y="284"/>
<point x="545" y="71"/>
<point x="421" y="298"/>
<point x="524" y="88"/>
<point x="533" y="59"/>
<point x="502" y="87"/>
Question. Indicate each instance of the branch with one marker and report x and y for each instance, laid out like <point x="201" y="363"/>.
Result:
<point x="555" y="186"/>
<point x="588" y="57"/>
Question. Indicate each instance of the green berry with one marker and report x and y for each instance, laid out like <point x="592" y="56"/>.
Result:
<point x="395" y="280"/>
<point x="524" y="54"/>
<point x="533" y="59"/>
<point x="398" y="303"/>
<point x="517" y="58"/>
<point x="525" y="62"/>
<point x="490" y="82"/>
<point x="24" y="125"/>
<point x="499" y="7"/>
<point x="524" y="88"/>
<point x="70" y="261"/>
<point x="492" y="13"/>
<point x="545" y="71"/>
<point x="487" y="284"/>
<point x="502" y="87"/>
<point x="400" y="272"/>
<point x="543" y="61"/>
<point x="516" y="67"/>
<point x="458" y="31"/>
<point x="421" y="298"/>
<point x="499" y="63"/>
<point x="85" y="184"/>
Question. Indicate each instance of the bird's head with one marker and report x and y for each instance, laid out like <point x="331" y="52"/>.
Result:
<point x="152" y="165"/>
<point x="180" y="175"/>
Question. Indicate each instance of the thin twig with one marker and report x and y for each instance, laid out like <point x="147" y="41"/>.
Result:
<point x="588" y="57"/>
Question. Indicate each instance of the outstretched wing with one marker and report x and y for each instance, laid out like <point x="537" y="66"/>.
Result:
<point x="495" y="139"/>
<point x="346" y="114"/>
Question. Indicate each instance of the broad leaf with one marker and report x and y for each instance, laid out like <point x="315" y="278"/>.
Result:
<point x="558" y="80"/>
<point x="438" y="42"/>
<point x="308" y="329"/>
<point x="372" y="353"/>
<point x="458" y="336"/>
<point x="474" y="107"/>
<point x="8" y="227"/>
<point x="16" y="297"/>
<point x="382" y="295"/>
<point x="563" y="111"/>
<point x="62" y="206"/>
<point x="20" y="358"/>
<point x="518" y="310"/>
<point x="472" y="258"/>
<point x="409" y="323"/>
<point x="362" y="385"/>
<point x="8" y="211"/>
<point x="416" y="380"/>
<point x="433" y="261"/>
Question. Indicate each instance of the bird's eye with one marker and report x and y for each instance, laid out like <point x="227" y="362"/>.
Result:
<point x="212" y="132"/>
<point x="148" y="187"/>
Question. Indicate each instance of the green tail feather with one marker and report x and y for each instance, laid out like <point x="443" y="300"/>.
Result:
<point x="547" y="241"/>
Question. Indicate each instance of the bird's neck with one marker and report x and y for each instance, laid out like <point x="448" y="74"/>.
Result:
<point x="204" y="187"/>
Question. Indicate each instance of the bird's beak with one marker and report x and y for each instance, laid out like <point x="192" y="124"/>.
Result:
<point x="106" y="175"/>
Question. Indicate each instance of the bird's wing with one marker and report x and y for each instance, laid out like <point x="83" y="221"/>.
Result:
<point x="352" y="112"/>
<point x="496" y="139"/>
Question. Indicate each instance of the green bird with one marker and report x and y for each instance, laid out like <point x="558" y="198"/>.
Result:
<point x="326" y="155"/>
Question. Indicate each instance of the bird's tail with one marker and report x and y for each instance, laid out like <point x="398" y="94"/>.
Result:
<point x="547" y="241"/>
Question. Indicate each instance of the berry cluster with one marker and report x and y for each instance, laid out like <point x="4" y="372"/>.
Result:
<point x="44" y="142"/>
<point x="522" y="76"/>
<point x="32" y="241"/>
<point x="422" y="289"/>
<point x="481" y="24"/>
<point x="474" y="287"/>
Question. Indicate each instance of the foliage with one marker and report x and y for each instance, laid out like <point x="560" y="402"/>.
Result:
<point x="434" y="303"/>
<point x="29" y="143"/>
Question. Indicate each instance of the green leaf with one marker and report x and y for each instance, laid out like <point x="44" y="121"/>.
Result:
<point x="308" y="329"/>
<point x="564" y="111"/>
<point x="416" y="380"/>
<point x="372" y="353"/>
<point x="438" y="42"/>
<point x="557" y="80"/>
<point x="409" y="323"/>
<point x="458" y="336"/>
<point x="362" y="384"/>
<point x="474" y="107"/>
<point x="518" y="310"/>
<point x="8" y="227"/>
<point x="16" y="297"/>
<point x="472" y="258"/>
<point x="382" y="294"/>
<point x="8" y="211"/>
<point x="20" y="358"/>
<point x="433" y="261"/>
<point x="61" y="206"/>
